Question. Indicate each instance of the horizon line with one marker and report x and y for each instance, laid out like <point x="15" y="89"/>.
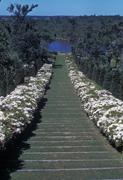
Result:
<point x="69" y="15"/>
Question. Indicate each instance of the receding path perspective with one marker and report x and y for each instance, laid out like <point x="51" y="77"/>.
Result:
<point x="66" y="144"/>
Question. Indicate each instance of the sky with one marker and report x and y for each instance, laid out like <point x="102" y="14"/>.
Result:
<point x="68" y="7"/>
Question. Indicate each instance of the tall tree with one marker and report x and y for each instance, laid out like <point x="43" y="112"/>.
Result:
<point x="25" y="39"/>
<point x="4" y="48"/>
<point x="115" y="84"/>
<point x="20" y="12"/>
<point x="107" y="78"/>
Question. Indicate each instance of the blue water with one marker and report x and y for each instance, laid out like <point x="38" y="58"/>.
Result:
<point x="59" y="46"/>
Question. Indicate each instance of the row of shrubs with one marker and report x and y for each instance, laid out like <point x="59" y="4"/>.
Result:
<point x="11" y="77"/>
<point x="17" y="108"/>
<point x="108" y="78"/>
<point x="101" y="106"/>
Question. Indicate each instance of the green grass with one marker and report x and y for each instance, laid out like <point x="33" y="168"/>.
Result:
<point x="61" y="105"/>
<point x="70" y="175"/>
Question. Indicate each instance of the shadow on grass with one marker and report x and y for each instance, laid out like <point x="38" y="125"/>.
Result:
<point x="9" y="159"/>
<point x="58" y="66"/>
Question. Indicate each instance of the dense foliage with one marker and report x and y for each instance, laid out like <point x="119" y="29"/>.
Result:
<point x="98" y="54"/>
<point x="97" y="46"/>
<point x="22" y="47"/>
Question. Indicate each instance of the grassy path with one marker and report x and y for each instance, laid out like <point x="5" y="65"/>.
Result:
<point x="65" y="144"/>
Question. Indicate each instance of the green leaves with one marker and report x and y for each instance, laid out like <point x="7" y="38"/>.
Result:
<point x="4" y="49"/>
<point x="25" y="40"/>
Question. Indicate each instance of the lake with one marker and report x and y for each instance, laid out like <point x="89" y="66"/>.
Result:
<point x="59" y="46"/>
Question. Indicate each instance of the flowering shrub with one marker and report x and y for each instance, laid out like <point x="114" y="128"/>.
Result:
<point x="17" y="108"/>
<point x="103" y="108"/>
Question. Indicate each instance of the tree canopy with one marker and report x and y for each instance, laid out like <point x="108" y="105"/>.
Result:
<point x="22" y="47"/>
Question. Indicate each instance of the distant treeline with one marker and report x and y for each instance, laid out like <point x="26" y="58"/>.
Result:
<point x="96" y="41"/>
<point x="97" y="47"/>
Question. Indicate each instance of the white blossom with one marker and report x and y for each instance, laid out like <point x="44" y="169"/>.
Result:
<point x="18" y="107"/>
<point x="104" y="109"/>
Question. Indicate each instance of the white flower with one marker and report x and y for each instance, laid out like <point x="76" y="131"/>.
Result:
<point x="105" y="109"/>
<point x="1" y="115"/>
<point x="23" y="100"/>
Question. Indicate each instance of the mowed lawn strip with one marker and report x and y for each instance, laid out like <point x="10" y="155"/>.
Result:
<point x="66" y="144"/>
